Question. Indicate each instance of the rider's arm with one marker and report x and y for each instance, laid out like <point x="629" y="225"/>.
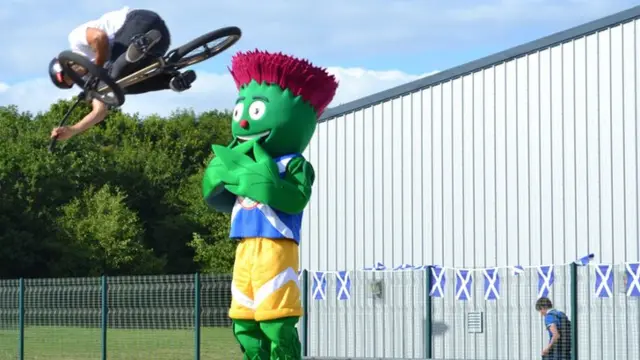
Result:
<point x="96" y="115"/>
<point x="86" y="39"/>
<point x="99" y="42"/>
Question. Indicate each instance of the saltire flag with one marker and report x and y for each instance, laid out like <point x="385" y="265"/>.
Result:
<point x="633" y="279"/>
<point x="343" y="285"/>
<point x="491" y="284"/>
<point x="437" y="281"/>
<point x="517" y="270"/>
<point x="463" y="284"/>
<point x="585" y="259"/>
<point x="319" y="291"/>
<point x="545" y="280"/>
<point x="604" y="281"/>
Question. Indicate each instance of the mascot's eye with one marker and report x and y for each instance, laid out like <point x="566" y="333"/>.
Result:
<point x="237" y="111"/>
<point x="256" y="110"/>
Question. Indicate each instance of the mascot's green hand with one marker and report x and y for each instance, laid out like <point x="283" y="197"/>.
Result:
<point x="215" y="177"/>
<point x="231" y="158"/>
<point x="262" y="182"/>
<point x="243" y="147"/>
<point x="261" y="172"/>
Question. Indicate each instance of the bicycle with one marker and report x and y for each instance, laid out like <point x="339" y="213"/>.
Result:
<point x="96" y="83"/>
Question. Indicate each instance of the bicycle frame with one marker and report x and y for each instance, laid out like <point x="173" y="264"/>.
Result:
<point x="138" y="76"/>
<point x="148" y="72"/>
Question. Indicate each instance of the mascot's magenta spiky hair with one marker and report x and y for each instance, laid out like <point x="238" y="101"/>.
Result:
<point x="314" y="84"/>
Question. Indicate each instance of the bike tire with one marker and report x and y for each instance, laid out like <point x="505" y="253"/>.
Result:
<point x="178" y="56"/>
<point x="66" y="57"/>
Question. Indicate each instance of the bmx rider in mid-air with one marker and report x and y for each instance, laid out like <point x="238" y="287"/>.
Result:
<point x="123" y="41"/>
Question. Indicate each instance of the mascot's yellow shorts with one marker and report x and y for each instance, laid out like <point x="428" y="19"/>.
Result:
<point x="265" y="282"/>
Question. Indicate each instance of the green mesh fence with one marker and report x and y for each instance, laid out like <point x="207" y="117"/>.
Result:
<point x="151" y="317"/>
<point x="389" y="315"/>
<point x="609" y="326"/>
<point x="217" y="341"/>
<point x="62" y="318"/>
<point x="9" y="334"/>
<point x="147" y="317"/>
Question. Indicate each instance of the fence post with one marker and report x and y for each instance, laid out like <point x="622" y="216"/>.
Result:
<point x="305" y="313"/>
<point x="21" y="319"/>
<point x="428" y="326"/>
<point x="104" y="321"/>
<point x="196" y="316"/>
<point x="574" y="311"/>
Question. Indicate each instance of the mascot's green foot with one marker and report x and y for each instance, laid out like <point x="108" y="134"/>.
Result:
<point x="285" y="344"/>
<point x="256" y="345"/>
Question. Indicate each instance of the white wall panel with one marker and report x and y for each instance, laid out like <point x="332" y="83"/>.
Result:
<point x="531" y="161"/>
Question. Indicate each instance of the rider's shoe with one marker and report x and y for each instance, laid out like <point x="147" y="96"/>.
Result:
<point x="141" y="45"/>
<point x="183" y="81"/>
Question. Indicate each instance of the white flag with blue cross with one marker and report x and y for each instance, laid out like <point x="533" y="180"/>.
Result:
<point x="437" y="281"/>
<point x="517" y="270"/>
<point x="463" y="284"/>
<point x="545" y="280"/>
<point x="319" y="291"/>
<point x="604" y="281"/>
<point x="377" y="267"/>
<point x="491" y="284"/>
<point x="585" y="259"/>
<point x="343" y="285"/>
<point x="633" y="279"/>
<point x="406" y="267"/>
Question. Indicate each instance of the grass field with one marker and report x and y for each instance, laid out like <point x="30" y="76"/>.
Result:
<point x="66" y="343"/>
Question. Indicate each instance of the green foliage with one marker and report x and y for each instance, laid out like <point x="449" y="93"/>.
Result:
<point x="122" y="198"/>
<point x="215" y="258"/>
<point x="102" y="234"/>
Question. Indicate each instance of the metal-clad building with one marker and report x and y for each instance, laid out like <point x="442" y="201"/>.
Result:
<point x="528" y="156"/>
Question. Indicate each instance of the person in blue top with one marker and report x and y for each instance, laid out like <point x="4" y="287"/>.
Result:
<point x="558" y="326"/>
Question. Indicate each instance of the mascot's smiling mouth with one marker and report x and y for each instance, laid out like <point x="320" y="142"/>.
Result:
<point x="261" y="136"/>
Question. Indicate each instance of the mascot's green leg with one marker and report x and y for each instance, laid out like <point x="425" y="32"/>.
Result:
<point x="285" y="344"/>
<point x="256" y="345"/>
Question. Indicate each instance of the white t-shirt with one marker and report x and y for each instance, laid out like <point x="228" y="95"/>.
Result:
<point x="110" y="23"/>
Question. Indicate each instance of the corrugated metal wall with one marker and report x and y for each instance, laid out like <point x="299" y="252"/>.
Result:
<point x="533" y="161"/>
<point x="392" y="324"/>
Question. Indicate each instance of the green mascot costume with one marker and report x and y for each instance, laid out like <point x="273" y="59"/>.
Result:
<point x="263" y="180"/>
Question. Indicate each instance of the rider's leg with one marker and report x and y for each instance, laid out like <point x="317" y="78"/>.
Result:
<point x="144" y="44"/>
<point x="141" y="26"/>
<point x="175" y="81"/>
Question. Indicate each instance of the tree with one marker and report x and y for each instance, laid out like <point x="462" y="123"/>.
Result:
<point x="100" y="234"/>
<point x="58" y="211"/>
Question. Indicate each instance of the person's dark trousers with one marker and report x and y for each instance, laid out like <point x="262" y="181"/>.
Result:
<point x="557" y="356"/>
<point x="138" y="23"/>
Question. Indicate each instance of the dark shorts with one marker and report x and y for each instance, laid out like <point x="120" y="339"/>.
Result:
<point x="139" y="22"/>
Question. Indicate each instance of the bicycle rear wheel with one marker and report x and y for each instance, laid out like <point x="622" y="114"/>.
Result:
<point x="223" y="39"/>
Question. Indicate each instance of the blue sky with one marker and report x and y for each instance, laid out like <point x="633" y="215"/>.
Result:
<point x="371" y="45"/>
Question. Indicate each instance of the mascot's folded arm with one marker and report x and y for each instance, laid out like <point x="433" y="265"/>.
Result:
<point x="263" y="180"/>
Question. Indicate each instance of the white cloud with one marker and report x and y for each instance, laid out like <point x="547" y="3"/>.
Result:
<point x="210" y="91"/>
<point x="357" y="82"/>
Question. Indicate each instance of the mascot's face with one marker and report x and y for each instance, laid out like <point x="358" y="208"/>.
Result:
<point x="283" y="123"/>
